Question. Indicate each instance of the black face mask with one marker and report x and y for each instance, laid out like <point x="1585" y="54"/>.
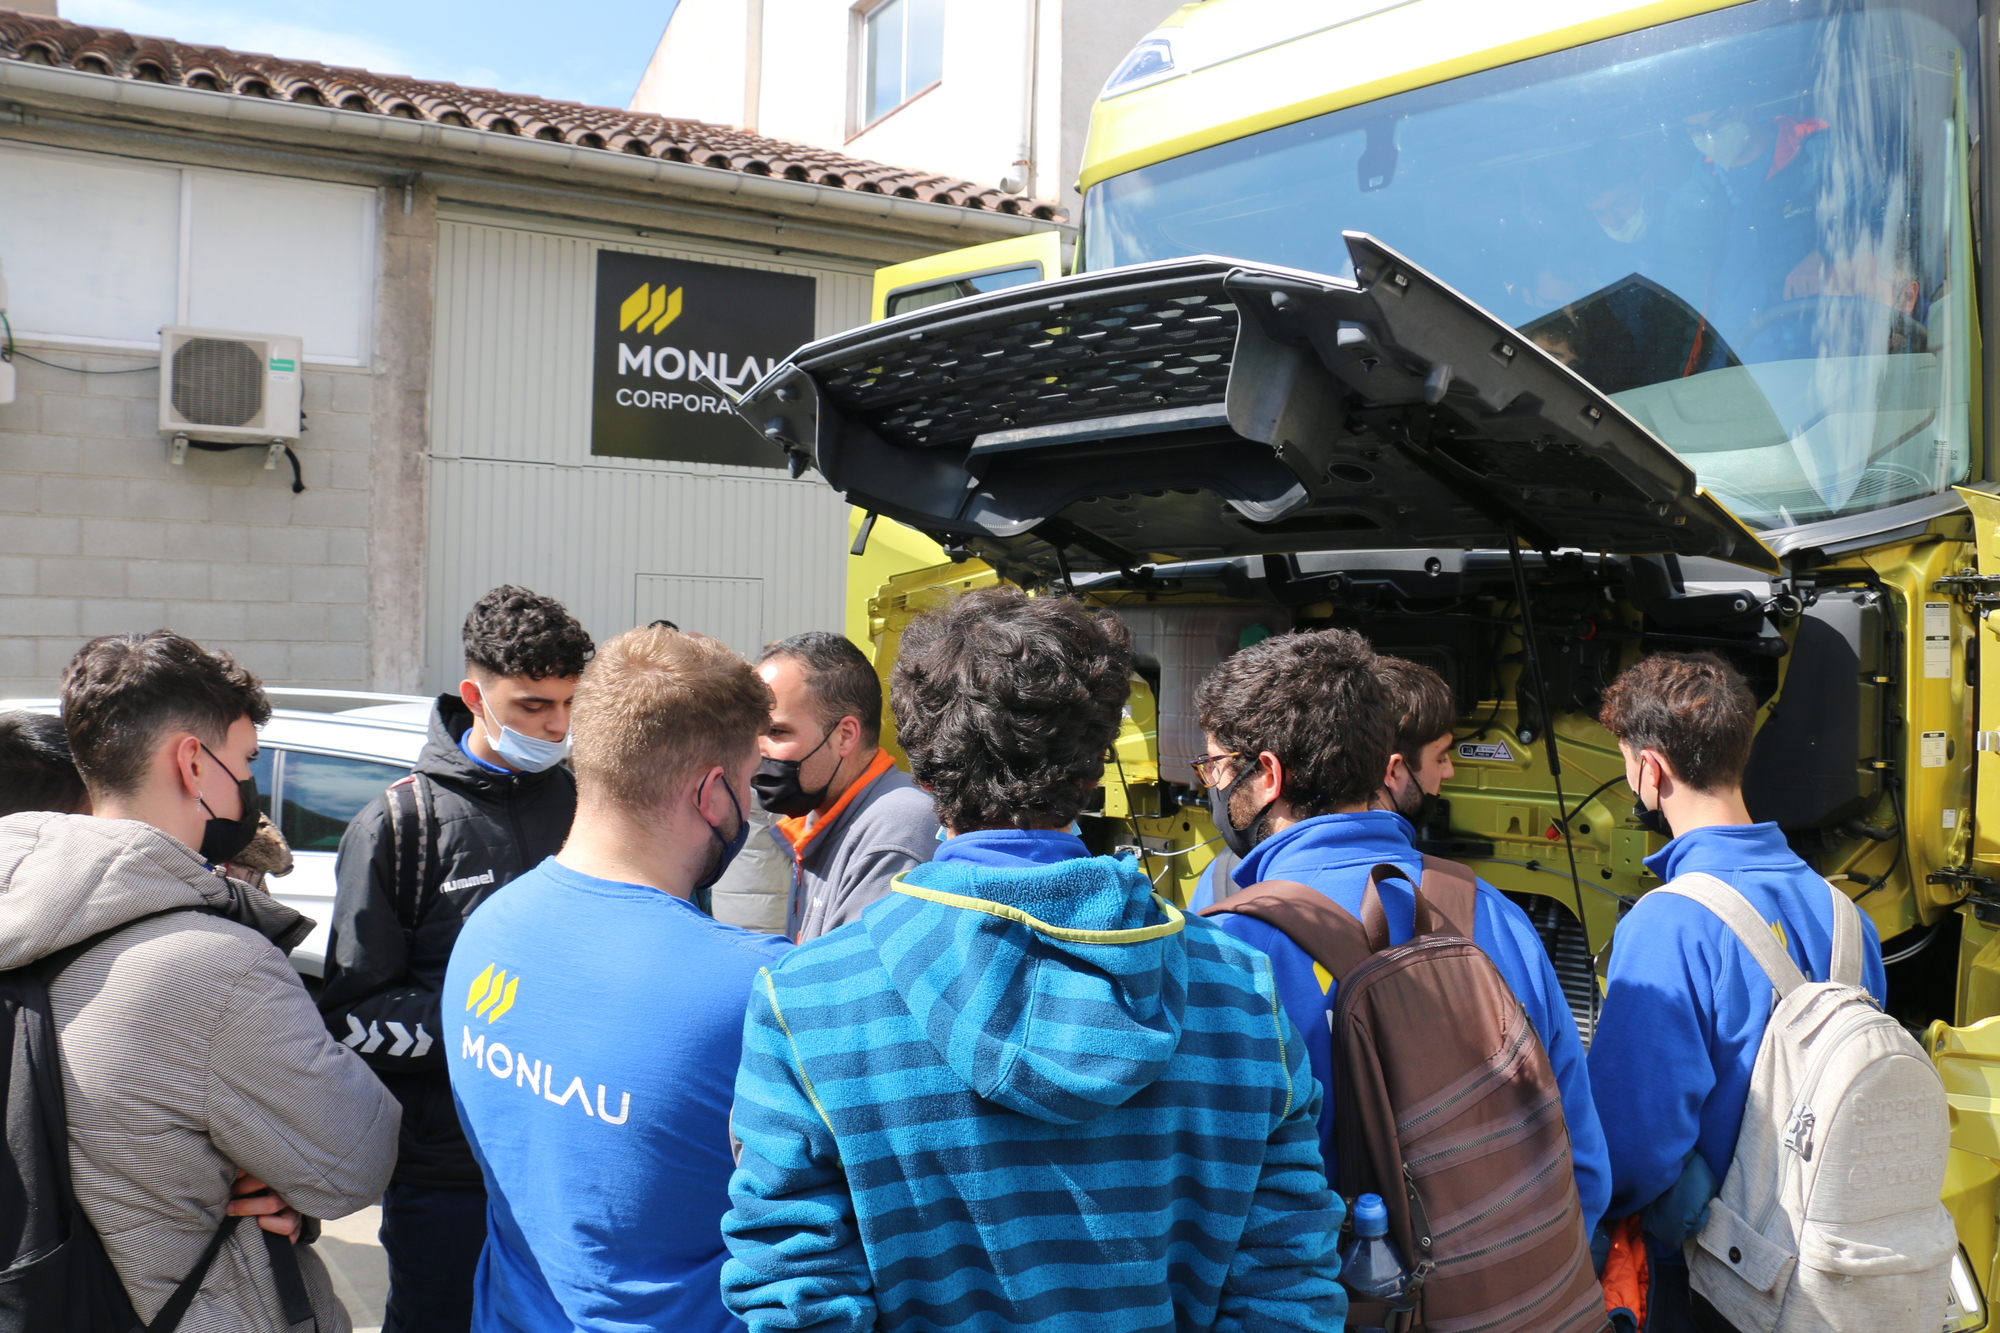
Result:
<point x="776" y="784"/>
<point x="731" y="845"/>
<point x="1238" y="840"/>
<point x="1420" y="810"/>
<point x="1653" y="821"/>
<point x="223" y="839"/>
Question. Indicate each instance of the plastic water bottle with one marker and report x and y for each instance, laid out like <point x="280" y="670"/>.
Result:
<point x="1370" y="1268"/>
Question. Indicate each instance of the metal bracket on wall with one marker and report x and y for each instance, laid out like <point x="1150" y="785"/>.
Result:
<point x="1981" y="891"/>
<point x="177" y="450"/>
<point x="1979" y="591"/>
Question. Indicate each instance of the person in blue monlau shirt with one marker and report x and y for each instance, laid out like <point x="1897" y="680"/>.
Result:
<point x="593" y="1014"/>
<point x="1321" y="753"/>
<point x="1685" y="1003"/>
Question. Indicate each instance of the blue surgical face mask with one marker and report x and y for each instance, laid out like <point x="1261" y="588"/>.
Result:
<point x="526" y="753"/>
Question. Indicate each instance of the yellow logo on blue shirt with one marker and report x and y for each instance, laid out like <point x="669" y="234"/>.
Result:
<point x="492" y="995"/>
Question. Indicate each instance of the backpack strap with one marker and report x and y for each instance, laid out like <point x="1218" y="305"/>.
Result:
<point x="1322" y="927"/>
<point x="413" y="835"/>
<point x="1451" y="891"/>
<point x="1845" y="965"/>
<point x="1316" y="923"/>
<point x="293" y="1298"/>
<point x="1745" y="923"/>
<point x="51" y="965"/>
<point x="170" y="1315"/>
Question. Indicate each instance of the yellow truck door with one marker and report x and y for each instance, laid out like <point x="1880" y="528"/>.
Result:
<point x="901" y="288"/>
<point x="1968" y="1056"/>
<point x="891" y="548"/>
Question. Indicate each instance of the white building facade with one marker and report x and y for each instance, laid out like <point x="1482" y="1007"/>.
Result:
<point x="995" y="91"/>
<point x="484" y="286"/>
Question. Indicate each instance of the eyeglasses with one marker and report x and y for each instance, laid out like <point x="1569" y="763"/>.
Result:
<point x="1200" y="766"/>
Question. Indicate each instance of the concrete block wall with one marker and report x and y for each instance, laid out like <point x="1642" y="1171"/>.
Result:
<point x="99" y="534"/>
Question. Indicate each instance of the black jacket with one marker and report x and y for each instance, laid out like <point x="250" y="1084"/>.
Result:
<point x="382" y="988"/>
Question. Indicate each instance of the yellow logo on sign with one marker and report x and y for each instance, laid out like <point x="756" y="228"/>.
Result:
<point x="653" y="307"/>
<point x="492" y="992"/>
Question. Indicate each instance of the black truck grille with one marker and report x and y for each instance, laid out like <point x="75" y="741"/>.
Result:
<point x="1154" y="345"/>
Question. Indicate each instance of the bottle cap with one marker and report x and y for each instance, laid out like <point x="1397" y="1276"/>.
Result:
<point x="1371" y="1216"/>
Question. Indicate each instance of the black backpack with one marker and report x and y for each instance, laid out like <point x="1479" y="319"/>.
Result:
<point x="57" y="1277"/>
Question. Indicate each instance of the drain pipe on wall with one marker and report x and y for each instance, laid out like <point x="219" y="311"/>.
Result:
<point x="1022" y="181"/>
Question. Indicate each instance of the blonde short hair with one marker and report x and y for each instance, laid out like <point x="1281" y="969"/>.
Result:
<point x="655" y="708"/>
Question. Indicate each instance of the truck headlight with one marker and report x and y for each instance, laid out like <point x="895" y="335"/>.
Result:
<point x="1150" y="62"/>
<point x="1963" y="1308"/>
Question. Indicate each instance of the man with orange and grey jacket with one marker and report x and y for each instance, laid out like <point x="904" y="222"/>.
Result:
<point x="850" y="821"/>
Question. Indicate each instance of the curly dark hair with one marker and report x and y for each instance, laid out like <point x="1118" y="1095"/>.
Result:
<point x="1691" y="707"/>
<point x="1318" y="703"/>
<point x="513" y="632"/>
<point x="36" y="772"/>
<point x="122" y="691"/>
<point x="1006" y="705"/>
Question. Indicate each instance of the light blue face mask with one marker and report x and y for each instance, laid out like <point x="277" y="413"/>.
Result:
<point x="526" y="753"/>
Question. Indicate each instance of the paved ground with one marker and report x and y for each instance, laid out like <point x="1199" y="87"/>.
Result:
<point x="360" y="1274"/>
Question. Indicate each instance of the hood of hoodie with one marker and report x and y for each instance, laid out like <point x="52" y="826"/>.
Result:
<point x="64" y="878"/>
<point x="1056" y="991"/>
<point x="443" y="761"/>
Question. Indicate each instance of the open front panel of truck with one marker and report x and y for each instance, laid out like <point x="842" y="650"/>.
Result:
<point x="1207" y="408"/>
<point x="1195" y="458"/>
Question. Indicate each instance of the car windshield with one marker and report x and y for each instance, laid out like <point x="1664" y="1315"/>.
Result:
<point x="1751" y="228"/>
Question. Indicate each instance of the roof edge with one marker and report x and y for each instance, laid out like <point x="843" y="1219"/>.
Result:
<point x="24" y="77"/>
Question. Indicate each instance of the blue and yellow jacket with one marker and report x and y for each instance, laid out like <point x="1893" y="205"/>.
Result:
<point x="1019" y="1093"/>
<point x="1334" y="853"/>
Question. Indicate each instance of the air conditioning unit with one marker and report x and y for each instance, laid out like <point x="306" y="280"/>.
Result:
<point x="230" y="388"/>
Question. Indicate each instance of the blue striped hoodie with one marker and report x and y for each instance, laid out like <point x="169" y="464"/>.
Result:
<point x="1021" y="1092"/>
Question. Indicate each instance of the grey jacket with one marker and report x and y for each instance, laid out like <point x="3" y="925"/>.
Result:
<point x="190" y="1049"/>
<point x="889" y="826"/>
<point x="755" y="891"/>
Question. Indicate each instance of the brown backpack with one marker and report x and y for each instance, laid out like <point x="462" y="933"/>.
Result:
<point x="1447" y="1108"/>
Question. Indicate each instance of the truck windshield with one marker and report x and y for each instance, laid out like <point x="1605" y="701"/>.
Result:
<point x="1750" y="228"/>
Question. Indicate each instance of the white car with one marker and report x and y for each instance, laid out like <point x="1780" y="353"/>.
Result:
<point x="323" y="756"/>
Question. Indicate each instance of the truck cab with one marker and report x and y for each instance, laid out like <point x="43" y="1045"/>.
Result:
<point x="1524" y="340"/>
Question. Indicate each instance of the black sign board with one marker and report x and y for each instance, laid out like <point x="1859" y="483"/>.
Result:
<point x="662" y="325"/>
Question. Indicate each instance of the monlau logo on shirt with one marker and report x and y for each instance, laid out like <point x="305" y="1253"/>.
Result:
<point x="492" y="994"/>
<point x="538" y="1078"/>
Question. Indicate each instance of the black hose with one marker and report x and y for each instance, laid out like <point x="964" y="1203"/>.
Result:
<point x="210" y="446"/>
<point x="1917" y="948"/>
<point x="1548" y="720"/>
<point x="1609" y="782"/>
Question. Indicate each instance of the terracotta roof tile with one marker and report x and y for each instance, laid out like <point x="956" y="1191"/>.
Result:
<point x="42" y="40"/>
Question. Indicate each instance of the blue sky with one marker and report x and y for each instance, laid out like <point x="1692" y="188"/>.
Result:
<point x="593" y="51"/>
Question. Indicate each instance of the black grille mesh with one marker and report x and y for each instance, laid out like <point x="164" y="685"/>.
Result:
<point x="1569" y="950"/>
<point x="218" y="382"/>
<point x="1123" y="351"/>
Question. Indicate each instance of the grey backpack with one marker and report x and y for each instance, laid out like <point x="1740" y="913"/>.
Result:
<point x="1829" y="1219"/>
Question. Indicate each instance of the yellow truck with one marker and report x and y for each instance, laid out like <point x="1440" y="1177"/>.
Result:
<point x="1523" y="339"/>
